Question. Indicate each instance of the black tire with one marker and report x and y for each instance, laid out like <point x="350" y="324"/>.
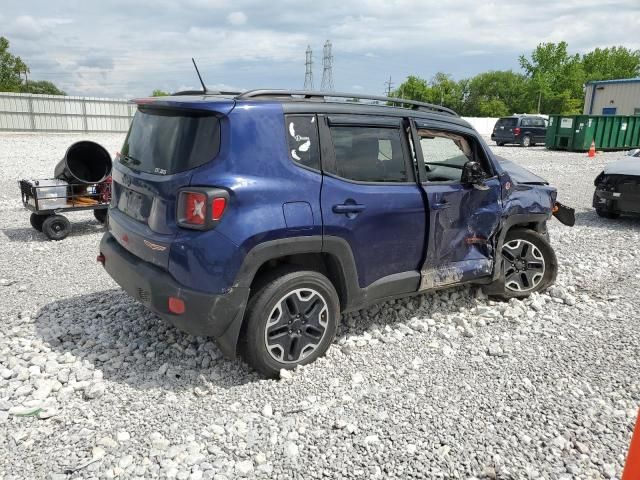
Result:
<point x="500" y="144"/>
<point x="37" y="221"/>
<point x="56" y="227"/>
<point x="526" y="141"/>
<point x="526" y="279"/>
<point x="297" y="292"/>
<point x="604" y="213"/>
<point x="102" y="215"/>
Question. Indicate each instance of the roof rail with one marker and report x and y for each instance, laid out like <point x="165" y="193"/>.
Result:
<point x="308" y="95"/>
<point x="208" y="92"/>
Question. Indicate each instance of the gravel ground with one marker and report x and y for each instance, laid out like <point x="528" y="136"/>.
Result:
<point x="446" y="385"/>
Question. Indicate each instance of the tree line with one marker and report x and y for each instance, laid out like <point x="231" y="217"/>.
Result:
<point x="553" y="82"/>
<point x="12" y="68"/>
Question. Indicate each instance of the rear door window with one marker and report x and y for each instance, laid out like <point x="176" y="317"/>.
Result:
<point x="167" y="141"/>
<point x="507" y="122"/>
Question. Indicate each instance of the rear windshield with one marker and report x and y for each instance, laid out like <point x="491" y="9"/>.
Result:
<point x="507" y="122"/>
<point x="170" y="141"/>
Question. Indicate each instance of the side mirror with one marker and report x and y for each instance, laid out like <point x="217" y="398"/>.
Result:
<point x="473" y="174"/>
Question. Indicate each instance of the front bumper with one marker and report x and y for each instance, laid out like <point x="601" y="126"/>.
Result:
<point x="618" y="202"/>
<point x="209" y="315"/>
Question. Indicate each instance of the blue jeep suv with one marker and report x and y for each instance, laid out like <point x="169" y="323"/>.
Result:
<point x="258" y="218"/>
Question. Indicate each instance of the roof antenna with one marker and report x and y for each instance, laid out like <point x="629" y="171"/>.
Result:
<point x="204" y="88"/>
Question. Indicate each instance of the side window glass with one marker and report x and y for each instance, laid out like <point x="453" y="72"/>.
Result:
<point x="525" y="122"/>
<point x="369" y="154"/>
<point x="302" y="138"/>
<point x="444" y="154"/>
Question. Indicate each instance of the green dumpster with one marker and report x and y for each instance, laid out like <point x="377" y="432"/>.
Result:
<point x="576" y="132"/>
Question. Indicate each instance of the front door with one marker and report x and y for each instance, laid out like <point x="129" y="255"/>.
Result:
<point x="463" y="218"/>
<point x="371" y="200"/>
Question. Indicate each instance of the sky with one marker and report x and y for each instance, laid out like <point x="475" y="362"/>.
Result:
<point x="128" y="48"/>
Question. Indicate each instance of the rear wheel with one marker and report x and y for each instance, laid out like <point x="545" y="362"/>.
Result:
<point x="291" y="320"/>
<point x="37" y="221"/>
<point x="56" y="227"/>
<point x="101" y="215"/>
<point x="526" y="141"/>
<point x="529" y="263"/>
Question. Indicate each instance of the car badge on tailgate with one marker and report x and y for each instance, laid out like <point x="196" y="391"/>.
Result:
<point x="155" y="246"/>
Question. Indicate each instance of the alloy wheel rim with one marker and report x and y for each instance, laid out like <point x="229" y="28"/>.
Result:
<point x="296" y="325"/>
<point x="523" y="265"/>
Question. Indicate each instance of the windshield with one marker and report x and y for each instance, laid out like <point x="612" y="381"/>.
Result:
<point x="165" y="141"/>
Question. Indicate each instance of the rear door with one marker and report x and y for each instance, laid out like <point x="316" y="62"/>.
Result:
<point x="160" y="151"/>
<point x="463" y="219"/>
<point x="371" y="200"/>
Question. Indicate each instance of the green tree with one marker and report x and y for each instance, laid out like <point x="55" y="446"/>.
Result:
<point x="497" y="93"/>
<point x="42" y="87"/>
<point x="159" y="93"/>
<point x="611" y="63"/>
<point x="413" y="88"/>
<point x="11" y="67"/>
<point x="556" y="77"/>
<point x="441" y="90"/>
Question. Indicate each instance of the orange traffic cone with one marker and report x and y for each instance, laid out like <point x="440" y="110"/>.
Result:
<point x="632" y="466"/>
<point x="592" y="149"/>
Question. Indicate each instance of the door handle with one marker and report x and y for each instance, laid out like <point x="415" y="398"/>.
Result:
<point x="348" y="208"/>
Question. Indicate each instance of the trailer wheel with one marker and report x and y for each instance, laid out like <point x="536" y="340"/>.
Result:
<point x="56" y="227"/>
<point x="37" y="221"/>
<point x="101" y="215"/>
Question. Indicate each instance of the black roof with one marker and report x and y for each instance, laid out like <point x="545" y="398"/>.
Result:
<point x="305" y="101"/>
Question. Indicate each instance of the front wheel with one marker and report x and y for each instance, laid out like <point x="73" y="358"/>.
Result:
<point x="291" y="320"/>
<point x="606" y="213"/>
<point x="529" y="263"/>
<point x="56" y="227"/>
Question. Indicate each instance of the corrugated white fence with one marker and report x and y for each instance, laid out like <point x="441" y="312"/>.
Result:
<point x="54" y="113"/>
<point x="23" y="112"/>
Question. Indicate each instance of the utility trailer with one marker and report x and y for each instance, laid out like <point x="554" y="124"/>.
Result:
<point x="47" y="199"/>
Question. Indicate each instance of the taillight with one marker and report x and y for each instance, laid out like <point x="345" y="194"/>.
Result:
<point x="201" y="208"/>
<point x="217" y="207"/>
<point x="516" y="131"/>
<point x="195" y="208"/>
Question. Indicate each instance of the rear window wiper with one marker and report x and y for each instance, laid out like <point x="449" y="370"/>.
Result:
<point x="129" y="160"/>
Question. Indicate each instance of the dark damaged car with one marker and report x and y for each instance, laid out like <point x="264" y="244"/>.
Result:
<point x="618" y="187"/>
<point x="259" y="218"/>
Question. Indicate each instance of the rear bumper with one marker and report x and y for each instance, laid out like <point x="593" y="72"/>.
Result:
<point x="218" y="316"/>
<point x="507" y="138"/>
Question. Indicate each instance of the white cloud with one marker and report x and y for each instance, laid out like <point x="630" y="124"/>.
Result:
<point x="237" y="18"/>
<point x="114" y="48"/>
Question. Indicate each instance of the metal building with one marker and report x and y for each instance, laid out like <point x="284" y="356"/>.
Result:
<point x="612" y="97"/>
